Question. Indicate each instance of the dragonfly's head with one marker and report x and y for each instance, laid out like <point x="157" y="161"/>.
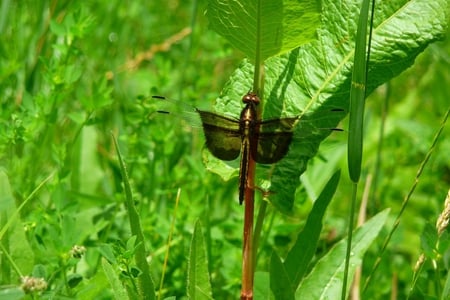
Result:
<point x="251" y="98"/>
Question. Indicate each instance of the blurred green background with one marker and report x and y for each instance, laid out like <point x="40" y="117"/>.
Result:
<point x="71" y="73"/>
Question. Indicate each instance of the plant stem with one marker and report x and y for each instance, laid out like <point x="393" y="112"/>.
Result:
<point x="248" y="251"/>
<point x="349" y="239"/>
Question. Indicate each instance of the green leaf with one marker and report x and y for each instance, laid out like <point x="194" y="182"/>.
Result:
<point x="199" y="286"/>
<point x="357" y="96"/>
<point x="446" y="289"/>
<point x="283" y="25"/>
<point x="12" y="233"/>
<point x="325" y="279"/>
<point x="428" y="240"/>
<point x="15" y="293"/>
<point x="147" y="286"/>
<point x="114" y="281"/>
<point x="74" y="279"/>
<point x="315" y="78"/>
<point x="280" y="283"/>
<point x="261" y="288"/>
<point x="298" y="258"/>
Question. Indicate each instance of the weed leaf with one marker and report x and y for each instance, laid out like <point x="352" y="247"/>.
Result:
<point x="296" y="262"/>
<point x="325" y="280"/>
<point x="199" y="285"/>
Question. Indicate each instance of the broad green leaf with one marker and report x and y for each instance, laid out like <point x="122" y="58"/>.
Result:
<point x="283" y="25"/>
<point x="315" y="78"/>
<point x="114" y="281"/>
<point x="325" y="279"/>
<point x="298" y="258"/>
<point x="199" y="285"/>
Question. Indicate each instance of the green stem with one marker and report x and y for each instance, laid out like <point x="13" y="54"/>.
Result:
<point x="349" y="239"/>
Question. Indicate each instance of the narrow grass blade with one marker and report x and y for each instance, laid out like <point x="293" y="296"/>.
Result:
<point x="358" y="95"/>
<point x="356" y="120"/>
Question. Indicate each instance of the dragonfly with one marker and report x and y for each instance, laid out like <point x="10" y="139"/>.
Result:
<point x="265" y="141"/>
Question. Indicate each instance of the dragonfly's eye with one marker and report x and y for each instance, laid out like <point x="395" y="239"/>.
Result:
<point x="251" y="98"/>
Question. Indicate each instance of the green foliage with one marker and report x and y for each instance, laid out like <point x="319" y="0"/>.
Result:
<point x="136" y="245"/>
<point x="70" y="74"/>
<point x="325" y="280"/>
<point x="305" y="246"/>
<point x="199" y="285"/>
<point x="116" y="285"/>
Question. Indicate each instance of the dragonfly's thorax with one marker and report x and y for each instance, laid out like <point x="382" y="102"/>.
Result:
<point x="249" y="116"/>
<point x="248" y="120"/>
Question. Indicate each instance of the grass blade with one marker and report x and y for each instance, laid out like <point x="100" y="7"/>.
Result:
<point x="356" y="121"/>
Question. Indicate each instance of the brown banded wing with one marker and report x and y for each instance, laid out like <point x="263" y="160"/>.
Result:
<point x="222" y="135"/>
<point x="274" y="139"/>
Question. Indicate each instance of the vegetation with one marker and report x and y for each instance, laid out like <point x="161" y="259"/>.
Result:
<point x="72" y="73"/>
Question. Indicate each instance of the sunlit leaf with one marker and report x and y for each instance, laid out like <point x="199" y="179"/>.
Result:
<point x="274" y="26"/>
<point x="315" y="78"/>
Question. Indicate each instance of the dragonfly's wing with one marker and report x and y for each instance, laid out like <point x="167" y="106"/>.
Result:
<point x="274" y="139"/>
<point x="222" y="135"/>
<point x="177" y="109"/>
